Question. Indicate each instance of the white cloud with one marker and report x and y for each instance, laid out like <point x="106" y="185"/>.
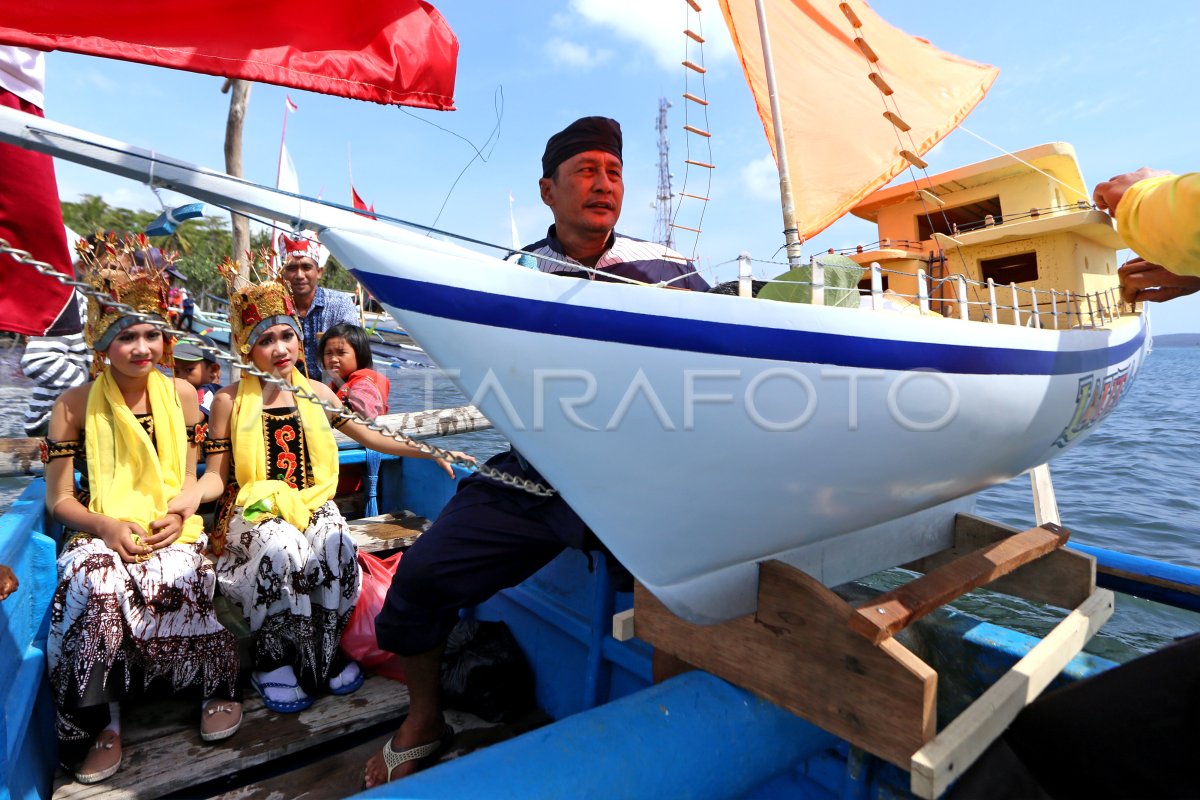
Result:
<point x="572" y="54"/>
<point x="760" y="178"/>
<point x="658" y="27"/>
<point x="94" y="79"/>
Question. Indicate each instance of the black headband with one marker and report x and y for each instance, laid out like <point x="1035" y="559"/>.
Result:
<point x="587" y="133"/>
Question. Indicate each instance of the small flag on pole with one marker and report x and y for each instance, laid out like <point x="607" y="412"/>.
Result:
<point x="290" y="105"/>
<point x="360" y="204"/>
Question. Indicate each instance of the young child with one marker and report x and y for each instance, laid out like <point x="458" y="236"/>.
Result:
<point x="198" y="368"/>
<point x="345" y="356"/>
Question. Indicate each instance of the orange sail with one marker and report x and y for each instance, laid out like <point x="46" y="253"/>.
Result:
<point x="840" y="147"/>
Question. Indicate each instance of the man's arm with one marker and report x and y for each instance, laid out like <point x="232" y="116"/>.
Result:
<point x="340" y="308"/>
<point x="1159" y="217"/>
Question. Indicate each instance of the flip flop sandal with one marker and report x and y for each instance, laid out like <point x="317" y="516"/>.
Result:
<point x="280" y="706"/>
<point x="351" y="687"/>
<point x="218" y="713"/>
<point x="426" y="755"/>
<point x="103" y="759"/>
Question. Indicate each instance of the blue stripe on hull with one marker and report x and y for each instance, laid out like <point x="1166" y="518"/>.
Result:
<point x="728" y="339"/>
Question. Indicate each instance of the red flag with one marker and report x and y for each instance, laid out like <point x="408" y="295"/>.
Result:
<point x="398" y="52"/>
<point x="31" y="219"/>
<point x="360" y="204"/>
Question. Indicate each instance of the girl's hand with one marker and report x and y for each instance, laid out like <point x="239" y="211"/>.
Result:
<point x="127" y="540"/>
<point x="449" y="466"/>
<point x="185" y="503"/>
<point x="165" y="531"/>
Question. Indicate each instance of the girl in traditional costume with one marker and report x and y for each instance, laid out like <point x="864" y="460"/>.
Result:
<point x="134" y="603"/>
<point x="284" y="551"/>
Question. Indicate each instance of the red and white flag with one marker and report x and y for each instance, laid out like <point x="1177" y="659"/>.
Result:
<point x="291" y="106"/>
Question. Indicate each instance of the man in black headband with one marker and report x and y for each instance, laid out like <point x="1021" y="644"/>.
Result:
<point x="582" y="184"/>
<point x="491" y="536"/>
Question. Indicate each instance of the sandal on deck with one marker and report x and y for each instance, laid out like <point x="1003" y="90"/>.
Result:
<point x="103" y="759"/>
<point x="220" y="719"/>
<point x="426" y="755"/>
<point x="281" y="706"/>
<point x="351" y="687"/>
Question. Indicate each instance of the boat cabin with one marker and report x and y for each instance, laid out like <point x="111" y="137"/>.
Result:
<point x="1026" y="222"/>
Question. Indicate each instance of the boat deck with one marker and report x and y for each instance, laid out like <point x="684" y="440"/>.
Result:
<point x="317" y="754"/>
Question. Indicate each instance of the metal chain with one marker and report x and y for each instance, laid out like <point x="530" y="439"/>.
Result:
<point x="524" y="484"/>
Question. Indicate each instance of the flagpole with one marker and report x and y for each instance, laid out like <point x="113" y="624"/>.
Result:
<point x="287" y="112"/>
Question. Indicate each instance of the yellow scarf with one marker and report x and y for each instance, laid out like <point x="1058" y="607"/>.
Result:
<point x="132" y="478"/>
<point x="259" y="497"/>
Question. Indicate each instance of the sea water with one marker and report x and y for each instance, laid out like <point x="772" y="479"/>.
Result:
<point x="1132" y="486"/>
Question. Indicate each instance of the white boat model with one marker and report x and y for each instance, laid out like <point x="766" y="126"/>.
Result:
<point x="700" y="434"/>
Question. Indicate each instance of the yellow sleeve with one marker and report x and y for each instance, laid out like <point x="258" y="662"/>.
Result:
<point x="1160" y="219"/>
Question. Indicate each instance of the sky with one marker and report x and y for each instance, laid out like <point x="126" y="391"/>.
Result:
<point x="1112" y="78"/>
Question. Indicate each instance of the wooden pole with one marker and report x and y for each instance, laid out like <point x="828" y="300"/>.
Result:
<point x="238" y="100"/>
<point x="790" y="231"/>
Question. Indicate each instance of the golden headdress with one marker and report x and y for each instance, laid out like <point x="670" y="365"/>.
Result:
<point x="130" y="270"/>
<point x="254" y="307"/>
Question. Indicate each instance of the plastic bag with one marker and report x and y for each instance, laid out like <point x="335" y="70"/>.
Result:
<point x="358" y="640"/>
<point x="485" y="672"/>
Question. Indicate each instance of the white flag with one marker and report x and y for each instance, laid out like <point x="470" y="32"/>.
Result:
<point x="288" y="180"/>
<point x="516" y="238"/>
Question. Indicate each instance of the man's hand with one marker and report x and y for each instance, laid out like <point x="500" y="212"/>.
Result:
<point x="1107" y="195"/>
<point x="8" y="582"/>
<point x="1144" y="282"/>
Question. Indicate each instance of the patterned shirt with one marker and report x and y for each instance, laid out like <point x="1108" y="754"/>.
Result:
<point x="328" y="309"/>
<point x="625" y="256"/>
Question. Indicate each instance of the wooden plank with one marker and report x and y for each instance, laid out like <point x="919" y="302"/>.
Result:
<point x="895" y="610"/>
<point x="339" y="775"/>
<point x="20" y="456"/>
<point x="798" y="652"/>
<point x="162" y="757"/>
<point x="1063" y="578"/>
<point x="623" y="625"/>
<point x="948" y="756"/>
<point x="387" y="531"/>
<point x="1045" y="505"/>
<point x="423" y="425"/>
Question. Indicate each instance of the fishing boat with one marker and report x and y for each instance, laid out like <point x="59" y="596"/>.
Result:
<point x="835" y="436"/>
<point x="615" y="732"/>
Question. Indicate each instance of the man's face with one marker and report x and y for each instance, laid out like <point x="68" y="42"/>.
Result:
<point x="585" y="192"/>
<point x="303" y="275"/>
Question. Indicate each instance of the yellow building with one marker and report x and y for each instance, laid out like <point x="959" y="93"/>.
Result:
<point x="1026" y="224"/>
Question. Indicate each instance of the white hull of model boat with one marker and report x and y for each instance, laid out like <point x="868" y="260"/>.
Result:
<point x="699" y="434"/>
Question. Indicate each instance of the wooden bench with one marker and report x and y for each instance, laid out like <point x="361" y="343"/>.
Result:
<point x="163" y="752"/>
